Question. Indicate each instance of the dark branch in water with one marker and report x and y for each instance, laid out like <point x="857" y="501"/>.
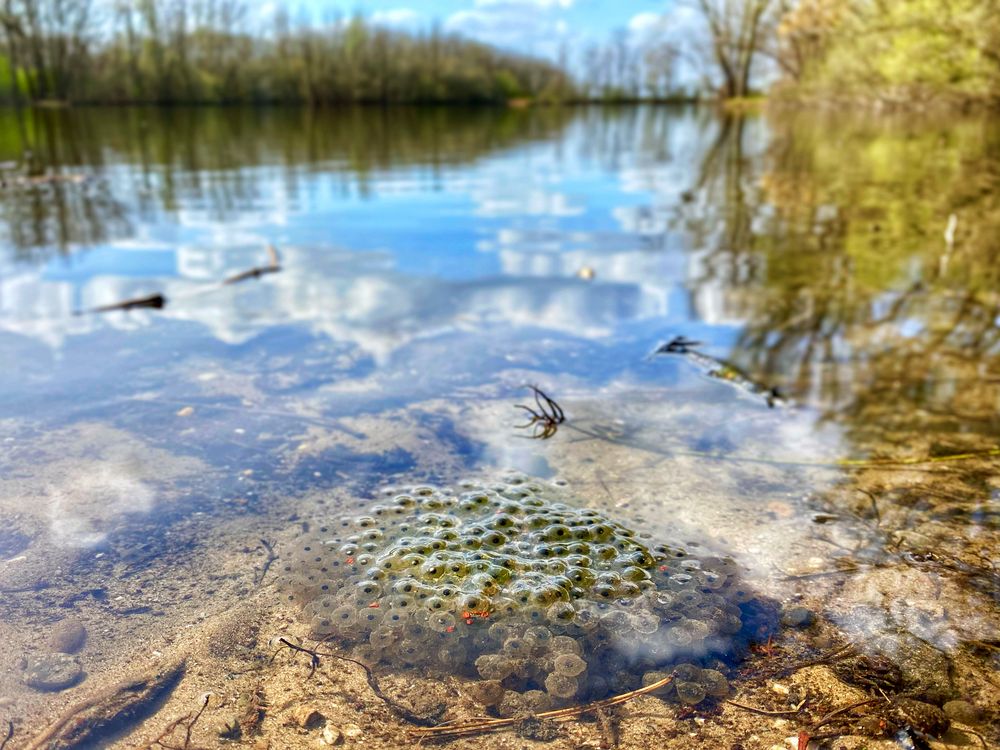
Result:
<point x="158" y="301"/>
<point x="398" y="708"/>
<point x="187" y="721"/>
<point x="677" y="345"/>
<point x="273" y="266"/>
<point x="10" y="733"/>
<point x="479" y="725"/>
<point x="719" y="369"/>
<point x="88" y="722"/>
<point x="545" y="418"/>
<point x="258" y="577"/>
<point x="154" y="301"/>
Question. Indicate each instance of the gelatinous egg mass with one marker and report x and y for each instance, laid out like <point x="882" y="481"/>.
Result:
<point x="510" y="582"/>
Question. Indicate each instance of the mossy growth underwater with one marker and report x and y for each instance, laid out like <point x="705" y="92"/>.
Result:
<point x="549" y="604"/>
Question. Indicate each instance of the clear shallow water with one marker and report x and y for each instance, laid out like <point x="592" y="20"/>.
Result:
<point x="433" y="263"/>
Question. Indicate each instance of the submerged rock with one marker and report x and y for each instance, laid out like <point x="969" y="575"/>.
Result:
<point x="506" y="581"/>
<point x="67" y="636"/>
<point x="51" y="671"/>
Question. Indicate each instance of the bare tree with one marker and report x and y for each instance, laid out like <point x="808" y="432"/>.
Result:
<point x="736" y="30"/>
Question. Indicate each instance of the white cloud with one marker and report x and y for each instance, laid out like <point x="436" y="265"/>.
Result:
<point x="532" y="26"/>
<point x="395" y="17"/>
<point x="535" y="3"/>
<point x="642" y="23"/>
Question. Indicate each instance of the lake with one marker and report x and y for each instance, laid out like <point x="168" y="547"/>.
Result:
<point x="323" y="304"/>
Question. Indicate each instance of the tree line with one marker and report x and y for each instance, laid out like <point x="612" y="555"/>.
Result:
<point x="187" y="51"/>
<point x="193" y="51"/>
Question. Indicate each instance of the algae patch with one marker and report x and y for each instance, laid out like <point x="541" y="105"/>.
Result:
<point x="510" y="582"/>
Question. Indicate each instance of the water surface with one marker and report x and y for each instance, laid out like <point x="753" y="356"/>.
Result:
<point x="433" y="263"/>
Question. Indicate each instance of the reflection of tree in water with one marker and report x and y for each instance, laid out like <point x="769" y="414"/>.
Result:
<point x="213" y="158"/>
<point x="38" y="215"/>
<point x="830" y="245"/>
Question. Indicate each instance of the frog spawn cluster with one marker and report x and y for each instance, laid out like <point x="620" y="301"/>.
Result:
<point x="548" y="603"/>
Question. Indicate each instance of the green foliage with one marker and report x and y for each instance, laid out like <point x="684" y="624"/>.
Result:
<point x="154" y="55"/>
<point x="906" y="51"/>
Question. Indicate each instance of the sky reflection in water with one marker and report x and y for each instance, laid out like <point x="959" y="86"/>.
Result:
<point x="432" y="259"/>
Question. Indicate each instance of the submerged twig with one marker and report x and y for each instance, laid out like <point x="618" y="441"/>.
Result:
<point x="151" y="301"/>
<point x="370" y="678"/>
<point x="766" y="712"/>
<point x="10" y="733"/>
<point x="258" y="576"/>
<point x="158" y="301"/>
<point x="545" y="418"/>
<point x="85" y="722"/>
<point x="474" y="726"/>
<point x="191" y="719"/>
<point x="273" y="266"/>
<point x="834" y="714"/>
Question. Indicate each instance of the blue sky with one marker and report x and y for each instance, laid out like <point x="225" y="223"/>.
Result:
<point x="533" y="26"/>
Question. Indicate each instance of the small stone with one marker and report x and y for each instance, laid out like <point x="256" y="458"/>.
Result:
<point x="538" y="730"/>
<point x="67" y="636"/>
<point x="352" y="731"/>
<point x="228" y="728"/>
<point x="923" y="717"/>
<point x="963" y="712"/>
<point x="187" y="411"/>
<point x="51" y="671"/>
<point x="797" y="617"/>
<point x="331" y="735"/>
<point x="308" y="717"/>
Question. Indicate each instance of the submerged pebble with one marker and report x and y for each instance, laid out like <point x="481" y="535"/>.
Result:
<point x="508" y="582"/>
<point x="67" y="636"/>
<point x="963" y="712"/>
<point x="797" y="617"/>
<point x="51" y="671"/>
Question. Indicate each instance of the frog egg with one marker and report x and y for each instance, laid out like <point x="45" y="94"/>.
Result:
<point x="569" y="664"/>
<point x="714" y="682"/>
<point x="367" y="590"/>
<point x="690" y="692"/>
<point x="518" y="647"/>
<point x="369" y="619"/>
<point x="730" y="625"/>
<point x="442" y="621"/>
<point x="494" y="666"/>
<point x="615" y="620"/>
<point x="486" y="692"/>
<point x="561" y="686"/>
<point x="539" y="635"/>
<point x="434" y="604"/>
<point x="645" y="623"/>
<point x="536" y="701"/>
<point x="597" y="685"/>
<point x="322" y="626"/>
<point x="651" y="678"/>
<point x="383" y="638"/>
<point x="678" y="636"/>
<point x="452" y="655"/>
<point x="586" y="619"/>
<point x="563" y="644"/>
<point x="501" y="631"/>
<point x="685" y="672"/>
<point x="741" y="593"/>
<point x="392" y="618"/>
<point x="401" y="602"/>
<point x="698" y="629"/>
